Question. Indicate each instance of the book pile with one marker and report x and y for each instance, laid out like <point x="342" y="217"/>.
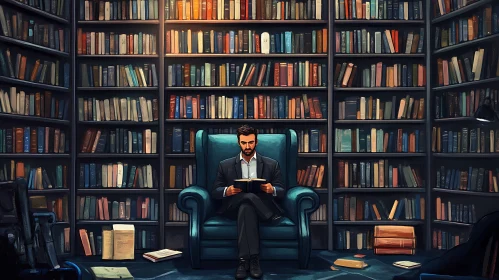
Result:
<point x="394" y="240"/>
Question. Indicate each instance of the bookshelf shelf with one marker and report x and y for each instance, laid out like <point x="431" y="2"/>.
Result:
<point x="386" y="89"/>
<point x="379" y="55"/>
<point x="379" y="222"/>
<point x="379" y="121"/>
<point x="117" y="88"/>
<point x="109" y="155"/>
<point x="175" y="191"/>
<point x="378" y="190"/>
<point x="121" y="191"/>
<point x="467" y="155"/>
<point x="247" y="55"/>
<point x="321" y="190"/>
<point x="176" y="224"/>
<point x="451" y="223"/>
<point x="312" y="155"/>
<point x="106" y="222"/>
<point x="377" y="155"/>
<point x="180" y="155"/>
<point x="32" y="46"/>
<point x="117" y="123"/>
<point x="37" y="11"/>
<point x="318" y="223"/>
<point x="48" y="191"/>
<point x="4" y="79"/>
<point x="461" y="11"/>
<point x="468" y="84"/>
<point x="279" y="21"/>
<point x="378" y="22"/>
<point x="467" y="44"/>
<point x="120" y="56"/>
<point x="117" y="22"/>
<point x="25" y="118"/>
<point x="458" y="119"/>
<point x="460" y="192"/>
<point x="33" y="156"/>
<point x="245" y="120"/>
<point x="244" y="88"/>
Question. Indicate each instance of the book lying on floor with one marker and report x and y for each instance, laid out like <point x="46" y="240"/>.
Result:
<point x="250" y="185"/>
<point x="407" y="264"/>
<point x="162" y="255"/>
<point x="104" y="273"/>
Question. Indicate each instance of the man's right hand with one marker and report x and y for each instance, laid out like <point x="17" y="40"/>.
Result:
<point x="232" y="191"/>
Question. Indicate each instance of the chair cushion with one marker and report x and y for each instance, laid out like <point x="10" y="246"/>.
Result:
<point x="219" y="227"/>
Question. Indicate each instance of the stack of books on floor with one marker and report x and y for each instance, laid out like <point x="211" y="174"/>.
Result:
<point x="394" y="240"/>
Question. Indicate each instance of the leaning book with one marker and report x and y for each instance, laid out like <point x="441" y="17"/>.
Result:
<point x="162" y="255"/>
<point x="251" y="185"/>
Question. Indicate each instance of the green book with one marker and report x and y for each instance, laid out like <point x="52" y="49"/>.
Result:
<point x="102" y="273"/>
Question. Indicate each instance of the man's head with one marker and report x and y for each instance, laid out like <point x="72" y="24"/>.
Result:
<point x="247" y="139"/>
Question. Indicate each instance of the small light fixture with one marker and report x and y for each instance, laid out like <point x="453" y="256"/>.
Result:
<point x="485" y="112"/>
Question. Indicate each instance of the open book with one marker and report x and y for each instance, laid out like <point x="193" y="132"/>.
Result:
<point x="162" y="255"/>
<point x="249" y="185"/>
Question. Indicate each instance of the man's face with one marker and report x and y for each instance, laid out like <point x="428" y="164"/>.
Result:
<point x="247" y="144"/>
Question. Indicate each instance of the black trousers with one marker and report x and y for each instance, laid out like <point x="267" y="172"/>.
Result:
<point x="249" y="209"/>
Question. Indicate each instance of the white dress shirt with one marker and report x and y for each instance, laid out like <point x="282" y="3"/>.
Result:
<point x="248" y="169"/>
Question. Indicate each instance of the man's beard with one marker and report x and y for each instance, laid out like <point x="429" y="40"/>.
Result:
<point x="247" y="152"/>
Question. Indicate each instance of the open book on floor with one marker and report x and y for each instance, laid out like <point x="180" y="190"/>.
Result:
<point x="104" y="273"/>
<point x="162" y="255"/>
<point x="251" y="185"/>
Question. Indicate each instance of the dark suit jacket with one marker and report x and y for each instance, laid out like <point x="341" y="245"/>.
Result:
<point x="230" y="169"/>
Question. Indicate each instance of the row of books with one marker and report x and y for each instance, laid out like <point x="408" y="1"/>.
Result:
<point x="369" y="108"/>
<point x="464" y="103"/>
<point x="471" y="66"/>
<point x="36" y="104"/>
<point x="302" y="73"/>
<point x="455" y="212"/>
<point x="379" y="140"/>
<point x="181" y="177"/>
<point x="320" y="214"/>
<point x="58" y="205"/>
<point x="375" y="41"/>
<point x="175" y="215"/>
<point x="33" y="69"/>
<point x="380" y="75"/>
<point x="352" y="208"/>
<point x="475" y="179"/>
<point x="40" y="179"/>
<point x="120" y="141"/>
<point x="388" y="10"/>
<point x="243" y="10"/>
<point x="245" y="41"/>
<point x="32" y="30"/>
<point x="34" y="140"/>
<point x="144" y="239"/>
<point x="58" y="8"/>
<point x="445" y="240"/>
<point x="119" y="43"/>
<point x="381" y="173"/>
<point x="312" y="140"/>
<point x="118" y="10"/>
<point x="358" y="239"/>
<point x="311" y="176"/>
<point x="468" y="28"/>
<point x="125" y="208"/>
<point x="466" y="140"/>
<point x="62" y="240"/>
<point x="443" y="7"/>
<point x="117" y="175"/>
<point x="257" y="106"/>
<point x="135" y="109"/>
<point x="118" y="75"/>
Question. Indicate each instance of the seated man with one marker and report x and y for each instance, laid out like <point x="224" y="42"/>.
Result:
<point x="249" y="208"/>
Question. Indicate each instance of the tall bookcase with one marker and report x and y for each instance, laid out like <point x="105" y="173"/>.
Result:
<point x="461" y="147"/>
<point x="379" y="62"/>
<point x="36" y="101"/>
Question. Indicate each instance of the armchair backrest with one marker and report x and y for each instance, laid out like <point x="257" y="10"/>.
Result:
<point x="211" y="149"/>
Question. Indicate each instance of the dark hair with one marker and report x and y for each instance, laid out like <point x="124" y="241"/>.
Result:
<point x="246" y="130"/>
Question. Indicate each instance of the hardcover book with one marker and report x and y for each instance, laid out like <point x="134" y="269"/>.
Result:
<point x="251" y="185"/>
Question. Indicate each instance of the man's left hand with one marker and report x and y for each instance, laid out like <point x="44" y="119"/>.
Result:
<point x="268" y="188"/>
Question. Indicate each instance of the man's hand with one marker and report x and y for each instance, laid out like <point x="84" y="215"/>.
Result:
<point x="268" y="188"/>
<point x="232" y="191"/>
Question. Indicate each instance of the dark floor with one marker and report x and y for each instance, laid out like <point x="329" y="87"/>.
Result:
<point x="380" y="268"/>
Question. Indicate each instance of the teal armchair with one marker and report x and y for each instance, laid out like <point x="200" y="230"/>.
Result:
<point x="213" y="237"/>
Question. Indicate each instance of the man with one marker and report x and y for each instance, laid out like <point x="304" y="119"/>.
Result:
<point x="249" y="208"/>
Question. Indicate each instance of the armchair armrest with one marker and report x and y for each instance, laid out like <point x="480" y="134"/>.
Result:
<point x="299" y="203"/>
<point x="196" y="201"/>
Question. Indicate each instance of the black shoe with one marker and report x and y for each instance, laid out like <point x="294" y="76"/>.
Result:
<point x="255" y="271"/>
<point x="242" y="269"/>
